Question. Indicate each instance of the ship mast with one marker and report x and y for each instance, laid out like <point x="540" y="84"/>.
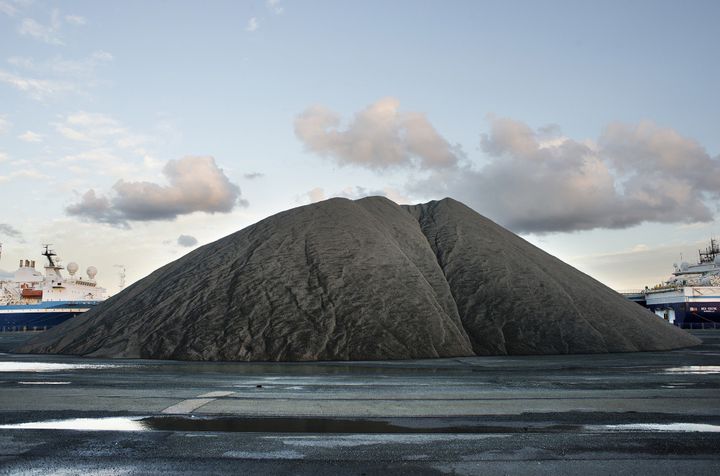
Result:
<point x="48" y="253"/>
<point x="708" y="256"/>
<point x="52" y="269"/>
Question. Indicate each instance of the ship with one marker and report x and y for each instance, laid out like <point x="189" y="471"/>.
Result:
<point x="33" y="301"/>
<point x="691" y="297"/>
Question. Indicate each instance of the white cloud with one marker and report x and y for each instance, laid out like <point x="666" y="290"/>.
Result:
<point x="49" y="33"/>
<point x="636" y="174"/>
<point x="30" y="136"/>
<point x="3" y="157"/>
<point x="100" y="130"/>
<point x="195" y="184"/>
<point x="103" y="145"/>
<point x="55" y="76"/>
<point x="8" y="9"/>
<point x="356" y="192"/>
<point x="316" y="195"/>
<point x="38" y="89"/>
<point x="98" y="160"/>
<point x="252" y="25"/>
<point x="75" y="20"/>
<point x="72" y="134"/>
<point x="532" y="180"/>
<point x="78" y="69"/>
<point x="378" y="137"/>
<point x="96" y="121"/>
<point x="21" y="62"/>
<point x="102" y="56"/>
<point x="151" y="163"/>
<point x="31" y="174"/>
<point x="275" y="6"/>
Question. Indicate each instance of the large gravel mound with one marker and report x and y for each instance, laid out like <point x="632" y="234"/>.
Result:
<point x="360" y="280"/>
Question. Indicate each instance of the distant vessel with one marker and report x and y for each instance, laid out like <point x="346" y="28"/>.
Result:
<point x="35" y="301"/>
<point x="691" y="297"/>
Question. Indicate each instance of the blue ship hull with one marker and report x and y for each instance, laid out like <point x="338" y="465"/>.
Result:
<point x="691" y="315"/>
<point x="36" y="317"/>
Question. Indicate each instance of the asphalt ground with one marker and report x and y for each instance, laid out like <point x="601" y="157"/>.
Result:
<point x="636" y="413"/>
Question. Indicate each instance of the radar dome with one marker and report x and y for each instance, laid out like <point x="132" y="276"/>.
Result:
<point x="72" y="268"/>
<point x="91" y="272"/>
<point x="684" y="266"/>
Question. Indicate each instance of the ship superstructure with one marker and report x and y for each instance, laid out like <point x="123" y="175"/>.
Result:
<point x="32" y="300"/>
<point x="691" y="297"/>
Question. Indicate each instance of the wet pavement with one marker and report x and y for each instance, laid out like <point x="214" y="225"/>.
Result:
<point x="640" y="413"/>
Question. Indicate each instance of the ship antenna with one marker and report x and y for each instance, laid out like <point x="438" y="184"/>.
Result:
<point x="48" y="253"/>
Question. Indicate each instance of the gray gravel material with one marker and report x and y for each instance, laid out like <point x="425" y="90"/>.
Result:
<point x="363" y="280"/>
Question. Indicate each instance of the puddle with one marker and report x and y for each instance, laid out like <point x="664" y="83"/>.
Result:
<point x="326" y="381"/>
<point x="678" y="385"/>
<point x="289" y="425"/>
<point x="655" y="427"/>
<point x="695" y="370"/>
<point x="83" y="424"/>
<point x="354" y="428"/>
<point x="271" y="455"/>
<point x="286" y="425"/>
<point x="44" y="383"/>
<point x="50" y="367"/>
<point x="349" y="441"/>
<point x="264" y="386"/>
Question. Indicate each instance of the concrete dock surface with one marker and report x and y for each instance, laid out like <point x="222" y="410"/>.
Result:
<point x="636" y="413"/>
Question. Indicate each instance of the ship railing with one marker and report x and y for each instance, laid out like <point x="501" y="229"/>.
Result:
<point x="663" y="288"/>
<point x="11" y="293"/>
<point x="699" y="325"/>
<point x="658" y="288"/>
<point x="6" y="329"/>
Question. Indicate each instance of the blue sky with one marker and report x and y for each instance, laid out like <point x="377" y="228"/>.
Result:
<point x="590" y="128"/>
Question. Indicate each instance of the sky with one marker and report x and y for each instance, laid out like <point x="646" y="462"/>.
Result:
<point x="133" y="132"/>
